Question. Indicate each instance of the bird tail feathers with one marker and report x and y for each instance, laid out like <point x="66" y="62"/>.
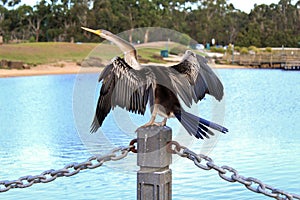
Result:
<point x="197" y="126"/>
<point x="95" y="125"/>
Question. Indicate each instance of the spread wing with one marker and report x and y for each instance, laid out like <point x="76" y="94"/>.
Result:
<point x="122" y="86"/>
<point x="200" y="76"/>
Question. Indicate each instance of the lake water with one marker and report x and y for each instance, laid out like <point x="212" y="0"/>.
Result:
<point x="45" y="119"/>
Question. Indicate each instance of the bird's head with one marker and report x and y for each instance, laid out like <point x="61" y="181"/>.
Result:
<point x="102" y="33"/>
<point x="128" y="50"/>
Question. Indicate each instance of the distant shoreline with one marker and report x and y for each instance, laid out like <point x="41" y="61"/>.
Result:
<point x="70" y="68"/>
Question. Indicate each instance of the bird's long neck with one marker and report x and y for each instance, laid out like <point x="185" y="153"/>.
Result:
<point x="130" y="54"/>
<point x="122" y="44"/>
<point x="131" y="59"/>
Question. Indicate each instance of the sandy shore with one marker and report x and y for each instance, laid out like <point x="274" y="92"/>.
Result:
<point x="49" y="69"/>
<point x="66" y="68"/>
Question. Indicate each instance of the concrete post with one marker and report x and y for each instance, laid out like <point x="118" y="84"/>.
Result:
<point x="154" y="179"/>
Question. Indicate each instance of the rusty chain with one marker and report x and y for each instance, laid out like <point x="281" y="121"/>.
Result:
<point x="230" y="174"/>
<point x="69" y="170"/>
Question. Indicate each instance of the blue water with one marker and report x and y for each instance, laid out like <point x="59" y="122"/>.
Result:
<point x="45" y="119"/>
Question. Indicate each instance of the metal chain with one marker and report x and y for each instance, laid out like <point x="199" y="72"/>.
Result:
<point x="93" y="162"/>
<point x="230" y="174"/>
<point x="69" y="170"/>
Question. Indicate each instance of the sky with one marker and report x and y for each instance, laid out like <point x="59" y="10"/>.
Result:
<point x="243" y="5"/>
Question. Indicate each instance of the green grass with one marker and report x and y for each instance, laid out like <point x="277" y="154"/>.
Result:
<point x="146" y="53"/>
<point x="40" y="53"/>
<point x="106" y="52"/>
<point x="150" y="55"/>
<point x="51" y="52"/>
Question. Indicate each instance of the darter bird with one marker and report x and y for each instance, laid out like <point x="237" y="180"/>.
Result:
<point x="129" y="85"/>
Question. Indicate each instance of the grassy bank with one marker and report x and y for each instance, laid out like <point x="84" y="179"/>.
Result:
<point x="52" y="52"/>
<point x="41" y="53"/>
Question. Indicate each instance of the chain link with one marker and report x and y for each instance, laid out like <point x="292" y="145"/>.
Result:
<point x="69" y="170"/>
<point x="229" y="174"/>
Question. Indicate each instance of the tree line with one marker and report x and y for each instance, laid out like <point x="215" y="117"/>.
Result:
<point x="265" y="26"/>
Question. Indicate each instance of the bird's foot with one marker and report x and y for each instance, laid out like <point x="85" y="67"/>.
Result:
<point x="163" y="123"/>
<point x="159" y="123"/>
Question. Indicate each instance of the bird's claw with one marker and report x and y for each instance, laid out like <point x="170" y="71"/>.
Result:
<point x="151" y="124"/>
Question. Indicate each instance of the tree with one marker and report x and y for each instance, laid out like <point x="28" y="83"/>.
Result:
<point x="272" y="25"/>
<point x="18" y="23"/>
<point x="60" y="20"/>
<point x="36" y="16"/>
<point x="3" y="12"/>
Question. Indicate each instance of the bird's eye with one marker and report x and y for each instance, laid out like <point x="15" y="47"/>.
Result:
<point x="107" y="32"/>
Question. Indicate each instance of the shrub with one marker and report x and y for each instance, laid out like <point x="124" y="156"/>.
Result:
<point x="268" y="49"/>
<point x="237" y="48"/>
<point x="32" y="39"/>
<point x="229" y="49"/>
<point x="254" y="49"/>
<point x="244" y="50"/>
<point x="217" y="50"/>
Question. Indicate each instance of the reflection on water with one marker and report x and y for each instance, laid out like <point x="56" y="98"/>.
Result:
<point x="39" y="128"/>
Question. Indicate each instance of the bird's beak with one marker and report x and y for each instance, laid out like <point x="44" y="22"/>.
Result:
<point x="97" y="32"/>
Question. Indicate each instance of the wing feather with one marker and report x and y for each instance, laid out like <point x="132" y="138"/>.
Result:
<point x="200" y="76"/>
<point x="122" y="86"/>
